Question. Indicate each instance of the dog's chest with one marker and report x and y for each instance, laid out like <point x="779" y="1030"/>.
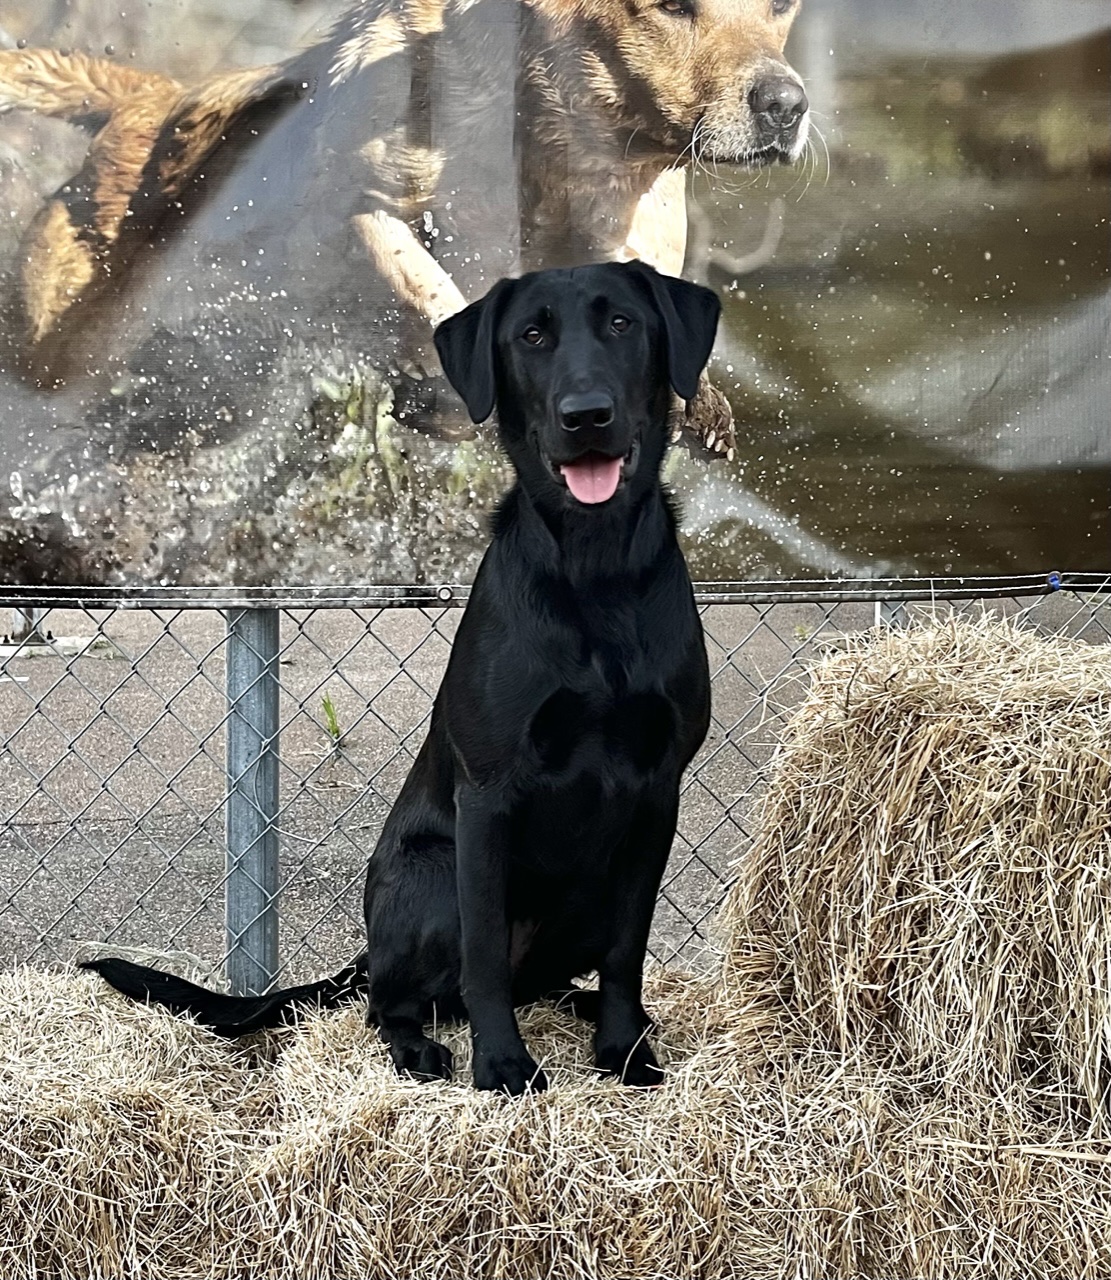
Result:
<point x="593" y="756"/>
<point x="612" y="715"/>
<point x="614" y="733"/>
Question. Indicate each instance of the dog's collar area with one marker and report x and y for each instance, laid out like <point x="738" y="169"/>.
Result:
<point x="594" y="477"/>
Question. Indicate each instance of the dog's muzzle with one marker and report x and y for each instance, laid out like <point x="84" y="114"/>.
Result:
<point x="779" y="105"/>
<point x="768" y="125"/>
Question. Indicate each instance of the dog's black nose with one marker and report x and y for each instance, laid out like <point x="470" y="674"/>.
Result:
<point x="588" y="409"/>
<point x="778" y="101"/>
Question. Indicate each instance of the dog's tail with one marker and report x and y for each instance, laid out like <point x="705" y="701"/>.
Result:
<point x="73" y="86"/>
<point x="230" y="1015"/>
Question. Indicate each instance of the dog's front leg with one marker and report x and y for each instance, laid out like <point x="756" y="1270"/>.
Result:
<point x="658" y="236"/>
<point x="411" y="271"/>
<point x="658" y="233"/>
<point x="482" y="843"/>
<point x="621" y="1045"/>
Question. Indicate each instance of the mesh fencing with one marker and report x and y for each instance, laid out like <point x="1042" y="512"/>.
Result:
<point x="114" y="781"/>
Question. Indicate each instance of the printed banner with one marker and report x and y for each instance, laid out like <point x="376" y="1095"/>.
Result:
<point x="228" y="230"/>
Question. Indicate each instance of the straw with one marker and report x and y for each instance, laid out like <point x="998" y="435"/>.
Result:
<point x="899" y="1072"/>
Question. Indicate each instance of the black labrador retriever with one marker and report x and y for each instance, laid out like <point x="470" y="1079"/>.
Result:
<point x="528" y="843"/>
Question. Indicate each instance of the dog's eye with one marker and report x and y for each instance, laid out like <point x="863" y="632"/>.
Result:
<point x="532" y="336"/>
<point x="620" y="323"/>
<point x="780" y="7"/>
<point x="677" y="8"/>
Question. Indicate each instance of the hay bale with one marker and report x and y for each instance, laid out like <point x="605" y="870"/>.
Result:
<point x="766" y="1156"/>
<point x="885" y="1084"/>
<point x="116" y="1125"/>
<point x="933" y="860"/>
<point x="137" y="1144"/>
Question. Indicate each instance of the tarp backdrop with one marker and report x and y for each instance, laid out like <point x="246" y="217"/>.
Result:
<point x="226" y="230"/>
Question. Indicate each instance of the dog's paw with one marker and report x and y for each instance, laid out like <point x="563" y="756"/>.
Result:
<point x="709" y="419"/>
<point x="632" y="1064"/>
<point x="511" y="1073"/>
<point x="422" y="1059"/>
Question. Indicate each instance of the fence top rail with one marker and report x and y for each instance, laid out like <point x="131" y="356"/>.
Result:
<point x="455" y="595"/>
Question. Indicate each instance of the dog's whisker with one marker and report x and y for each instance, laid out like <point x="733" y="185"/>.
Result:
<point x="806" y="173"/>
<point x="802" y="175"/>
<point x="811" y="164"/>
<point x="825" y="148"/>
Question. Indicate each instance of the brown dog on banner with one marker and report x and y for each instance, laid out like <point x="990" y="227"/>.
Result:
<point x="458" y="140"/>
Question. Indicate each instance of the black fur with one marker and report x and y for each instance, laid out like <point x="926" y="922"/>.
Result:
<point x="528" y="843"/>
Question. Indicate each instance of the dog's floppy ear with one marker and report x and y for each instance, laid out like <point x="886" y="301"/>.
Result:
<point x="690" y="319"/>
<point x="465" y="345"/>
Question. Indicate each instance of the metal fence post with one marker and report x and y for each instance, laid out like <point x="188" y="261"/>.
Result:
<point x="26" y="626"/>
<point x="892" y="613"/>
<point x="251" y="911"/>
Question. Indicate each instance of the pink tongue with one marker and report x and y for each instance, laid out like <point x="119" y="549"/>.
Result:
<point x="592" y="478"/>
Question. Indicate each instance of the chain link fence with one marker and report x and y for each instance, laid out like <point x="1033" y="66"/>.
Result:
<point x="186" y="771"/>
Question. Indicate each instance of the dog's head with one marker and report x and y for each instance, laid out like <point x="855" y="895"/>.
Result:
<point x="581" y="364"/>
<point x="695" y="79"/>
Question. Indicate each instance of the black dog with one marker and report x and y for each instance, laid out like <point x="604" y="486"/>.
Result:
<point x="528" y="843"/>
